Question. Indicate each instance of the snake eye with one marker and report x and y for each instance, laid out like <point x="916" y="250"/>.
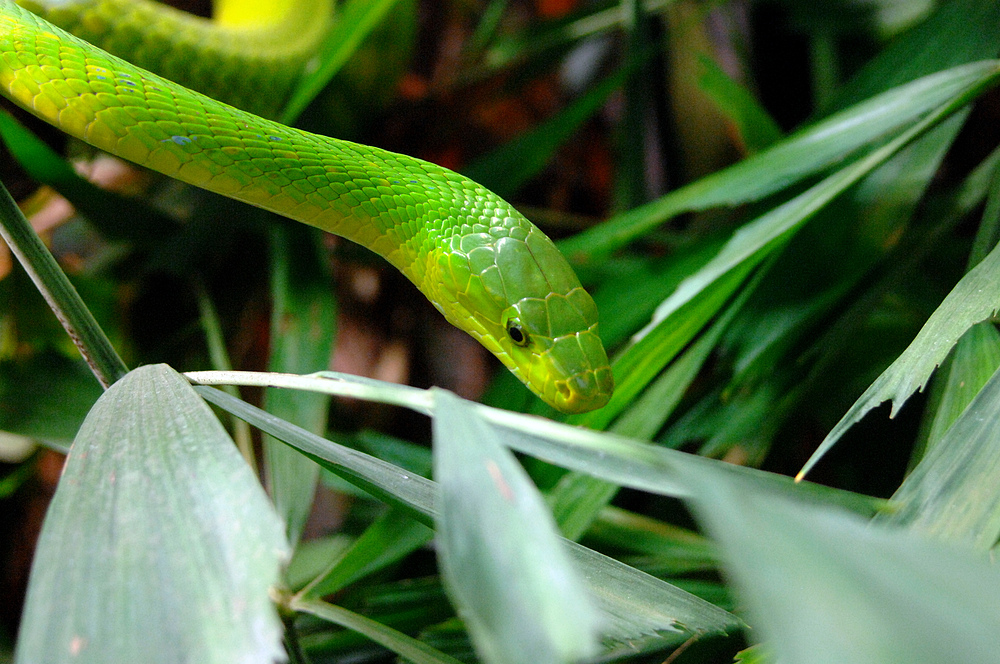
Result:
<point x="517" y="333"/>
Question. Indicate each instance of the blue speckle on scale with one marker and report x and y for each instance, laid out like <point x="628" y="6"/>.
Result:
<point x="179" y="140"/>
<point x="274" y="138"/>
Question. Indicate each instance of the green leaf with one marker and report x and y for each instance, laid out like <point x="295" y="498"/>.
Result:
<point x="826" y="587"/>
<point x="953" y="493"/>
<point x="355" y="21"/>
<point x="659" y="344"/>
<point x="392" y="537"/>
<point x="500" y="556"/>
<point x="405" y="646"/>
<point x="578" y="498"/>
<point x="303" y="319"/>
<point x="635" y="605"/>
<point x="960" y="31"/>
<point x="59" y="293"/>
<point x="614" y="458"/>
<point x="976" y="357"/>
<point x="974" y="299"/>
<point x="159" y="545"/>
<point x="801" y="155"/>
<point x="757" y="129"/>
<point x="117" y="217"/>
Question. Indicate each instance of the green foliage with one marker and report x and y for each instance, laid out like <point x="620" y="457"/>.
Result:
<point x="747" y="309"/>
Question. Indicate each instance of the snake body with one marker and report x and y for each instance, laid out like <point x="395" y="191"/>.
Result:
<point x="480" y="262"/>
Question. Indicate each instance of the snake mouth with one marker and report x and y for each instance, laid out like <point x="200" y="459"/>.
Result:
<point x="585" y="391"/>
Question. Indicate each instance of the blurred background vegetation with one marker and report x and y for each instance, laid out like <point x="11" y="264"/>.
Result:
<point x="578" y="112"/>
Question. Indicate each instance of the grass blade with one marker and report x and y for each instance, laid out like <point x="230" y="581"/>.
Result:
<point x="303" y="318"/>
<point x="59" y="293"/>
<point x="355" y="21"/>
<point x="499" y="553"/>
<point x="801" y="155"/>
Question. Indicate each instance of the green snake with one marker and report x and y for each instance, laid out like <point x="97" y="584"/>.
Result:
<point x="485" y="267"/>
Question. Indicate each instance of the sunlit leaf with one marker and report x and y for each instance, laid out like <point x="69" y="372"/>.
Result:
<point x="824" y="586"/>
<point x="159" y="545"/>
<point x="500" y="555"/>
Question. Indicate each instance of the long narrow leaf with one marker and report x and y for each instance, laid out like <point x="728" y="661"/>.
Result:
<point x="799" y="156"/>
<point x="953" y="493"/>
<point x="500" y="556"/>
<point x="303" y="315"/>
<point x="406" y="646"/>
<point x="59" y="293"/>
<point x="975" y="298"/>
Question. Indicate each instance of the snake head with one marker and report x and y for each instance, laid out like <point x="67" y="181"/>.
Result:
<point x="511" y="289"/>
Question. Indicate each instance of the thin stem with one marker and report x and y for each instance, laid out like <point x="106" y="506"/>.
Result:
<point x="59" y="293"/>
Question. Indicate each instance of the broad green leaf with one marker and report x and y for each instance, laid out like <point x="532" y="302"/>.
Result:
<point x="975" y="298"/>
<point x="953" y="493"/>
<point x="159" y="545"/>
<point x="633" y="604"/>
<point x="826" y="587"/>
<point x="405" y="646"/>
<point x="303" y="318"/>
<point x="499" y="552"/>
<point x="801" y="155"/>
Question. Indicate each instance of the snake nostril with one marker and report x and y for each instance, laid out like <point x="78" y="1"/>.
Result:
<point x="563" y="390"/>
